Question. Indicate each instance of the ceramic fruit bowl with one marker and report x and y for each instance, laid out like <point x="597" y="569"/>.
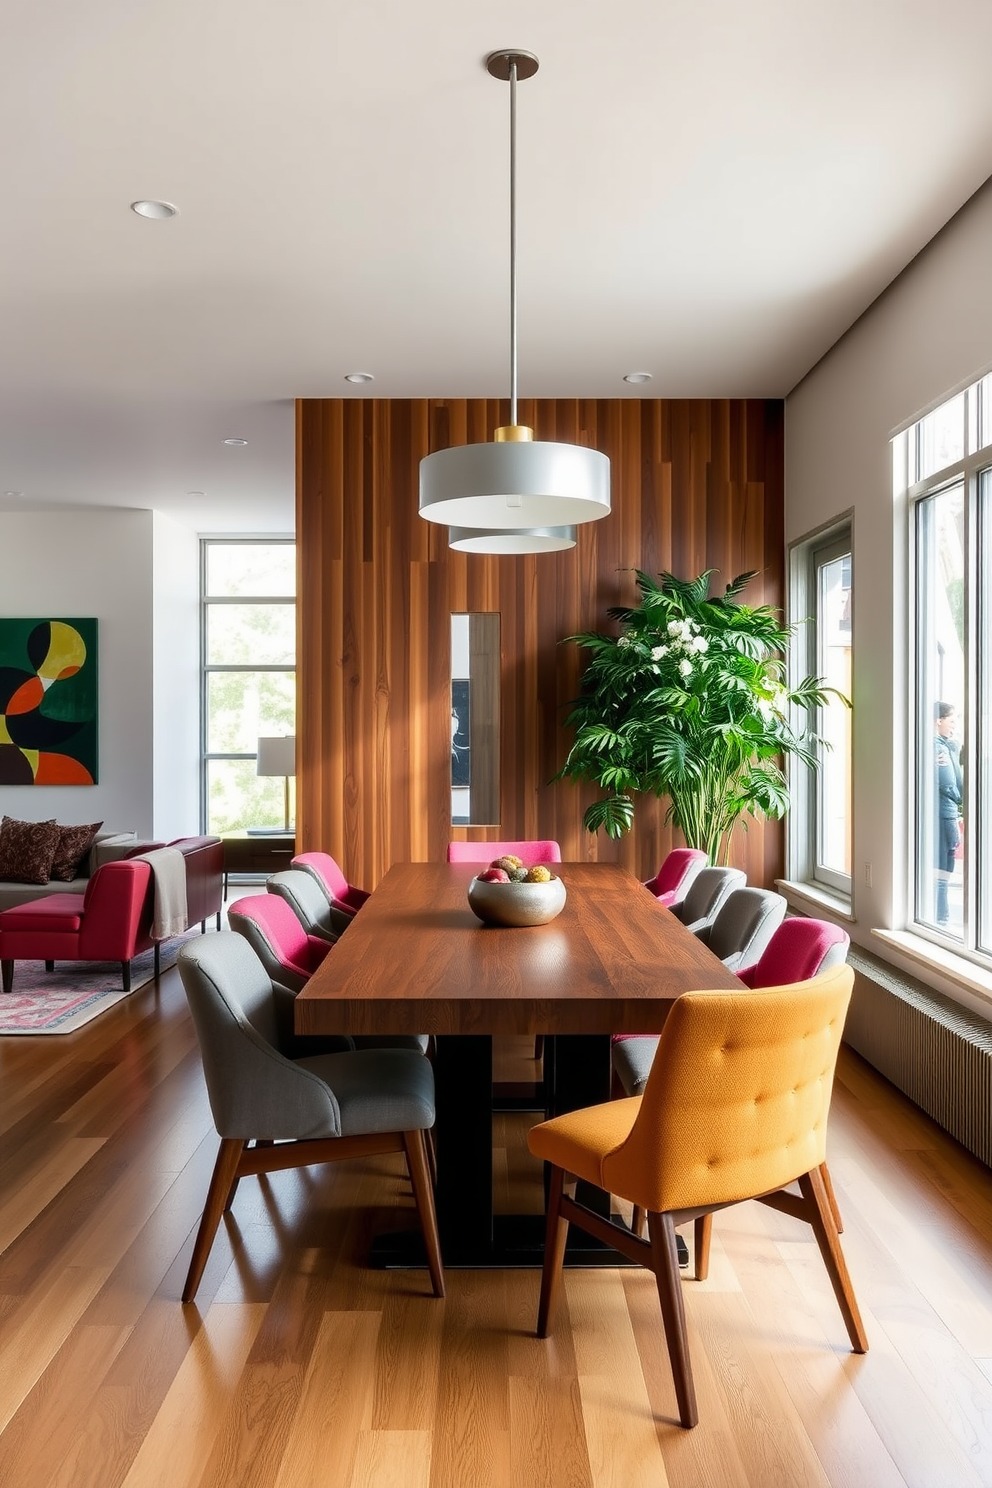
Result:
<point x="516" y="904"/>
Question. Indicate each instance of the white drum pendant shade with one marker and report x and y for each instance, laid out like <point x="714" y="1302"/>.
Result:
<point x="511" y="539"/>
<point x="517" y="486"/>
<point x="526" y="484"/>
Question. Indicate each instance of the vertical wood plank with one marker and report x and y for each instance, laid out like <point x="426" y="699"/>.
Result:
<point x="696" y="484"/>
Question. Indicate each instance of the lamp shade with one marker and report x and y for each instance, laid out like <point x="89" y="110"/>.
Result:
<point x="276" y="756"/>
<point x="511" y="539"/>
<point x="526" y="484"/>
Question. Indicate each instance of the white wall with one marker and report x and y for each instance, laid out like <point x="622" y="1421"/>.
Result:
<point x="176" y="672"/>
<point x="929" y="334"/>
<point x="136" y="572"/>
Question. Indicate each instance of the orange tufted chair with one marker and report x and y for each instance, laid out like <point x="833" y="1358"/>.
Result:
<point x="735" y="1108"/>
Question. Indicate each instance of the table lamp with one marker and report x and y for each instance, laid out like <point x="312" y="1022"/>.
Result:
<point x="278" y="757"/>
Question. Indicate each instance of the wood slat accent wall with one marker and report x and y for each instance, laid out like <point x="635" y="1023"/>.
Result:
<point x="696" y="484"/>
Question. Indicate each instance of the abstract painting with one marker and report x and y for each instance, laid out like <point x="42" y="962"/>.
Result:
<point x="48" y="702"/>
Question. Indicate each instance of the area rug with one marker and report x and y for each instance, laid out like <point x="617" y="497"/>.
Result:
<point x="76" y="992"/>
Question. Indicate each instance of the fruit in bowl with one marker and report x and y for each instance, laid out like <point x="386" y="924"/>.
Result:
<point x="508" y="862"/>
<point x="516" y="896"/>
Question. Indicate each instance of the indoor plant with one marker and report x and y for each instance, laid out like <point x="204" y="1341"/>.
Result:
<point x="690" y="701"/>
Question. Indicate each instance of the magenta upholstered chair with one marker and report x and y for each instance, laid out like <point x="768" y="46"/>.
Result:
<point x="338" y="892"/>
<point x="676" y="874"/>
<point x="288" y="953"/>
<point x="485" y="852"/>
<point x="799" y="949"/>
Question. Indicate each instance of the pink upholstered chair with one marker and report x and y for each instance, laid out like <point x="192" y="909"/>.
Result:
<point x="485" y="852"/>
<point x="799" y="950"/>
<point x="288" y="953"/>
<point x="676" y="874"/>
<point x="338" y="892"/>
<point x="112" y="921"/>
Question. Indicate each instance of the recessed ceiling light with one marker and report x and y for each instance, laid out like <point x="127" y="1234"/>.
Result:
<point x="194" y="493"/>
<point x="154" y="209"/>
<point x="637" y="377"/>
<point x="238" y="442"/>
<point x="359" y="377"/>
<point x="13" y="493"/>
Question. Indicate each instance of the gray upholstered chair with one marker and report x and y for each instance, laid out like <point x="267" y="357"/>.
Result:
<point x="307" y="900"/>
<point x="707" y="893"/>
<point x="295" y="1112"/>
<point x="746" y="922"/>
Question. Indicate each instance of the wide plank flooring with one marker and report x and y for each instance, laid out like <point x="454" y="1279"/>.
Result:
<point x="299" y="1365"/>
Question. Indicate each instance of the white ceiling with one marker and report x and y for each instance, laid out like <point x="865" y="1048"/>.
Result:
<point x="709" y="191"/>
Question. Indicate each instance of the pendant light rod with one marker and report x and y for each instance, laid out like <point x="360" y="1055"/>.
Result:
<point x="513" y="241"/>
<point x="512" y="67"/>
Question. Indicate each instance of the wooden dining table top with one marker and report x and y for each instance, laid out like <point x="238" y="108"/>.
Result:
<point x="416" y="960"/>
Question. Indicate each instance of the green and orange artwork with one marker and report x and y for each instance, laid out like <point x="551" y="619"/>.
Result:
<point x="48" y="702"/>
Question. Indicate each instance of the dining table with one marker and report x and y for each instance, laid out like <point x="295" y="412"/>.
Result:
<point x="416" y="960"/>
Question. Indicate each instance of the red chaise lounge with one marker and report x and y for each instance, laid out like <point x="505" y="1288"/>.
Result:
<point x="112" y="921"/>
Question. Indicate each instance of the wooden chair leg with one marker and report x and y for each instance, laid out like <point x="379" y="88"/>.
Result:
<point x="7" y="971"/>
<point x="158" y="959"/>
<point x="126" y="975"/>
<point x="702" y="1234"/>
<point x="49" y="965"/>
<point x="539" y="1046"/>
<point x="224" y="1176"/>
<point x="431" y="1145"/>
<point x="637" y="1220"/>
<point x="665" y="1264"/>
<point x="832" y="1198"/>
<point x="423" y="1193"/>
<point x="554" y="1255"/>
<point x="821" y="1218"/>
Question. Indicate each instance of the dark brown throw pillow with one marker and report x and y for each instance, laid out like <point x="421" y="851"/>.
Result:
<point x="27" y="850"/>
<point x="73" y="845"/>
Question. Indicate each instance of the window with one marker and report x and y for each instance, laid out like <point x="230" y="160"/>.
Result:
<point x="248" y="647"/>
<point x="949" y="464"/>
<point x="820" y="822"/>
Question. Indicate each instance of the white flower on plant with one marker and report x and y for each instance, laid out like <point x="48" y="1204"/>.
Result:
<point x="700" y="643"/>
<point x="685" y="667"/>
<point x="624" y="641"/>
<point x="657" y="652"/>
<point x="674" y="627"/>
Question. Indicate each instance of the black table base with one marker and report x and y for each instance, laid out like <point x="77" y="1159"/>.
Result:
<point x="576" y="1074"/>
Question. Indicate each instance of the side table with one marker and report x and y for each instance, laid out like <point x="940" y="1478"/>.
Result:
<point x="261" y="854"/>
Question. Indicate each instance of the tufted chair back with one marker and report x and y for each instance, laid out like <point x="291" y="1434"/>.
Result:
<point x="737" y="1099"/>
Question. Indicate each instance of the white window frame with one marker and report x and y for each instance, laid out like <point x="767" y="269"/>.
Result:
<point x="807" y="556"/>
<point x="207" y="667"/>
<point x="968" y="472"/>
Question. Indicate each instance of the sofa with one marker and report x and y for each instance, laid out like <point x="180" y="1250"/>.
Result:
<point x="109" y="915"/>
<point x="204" y="872"/>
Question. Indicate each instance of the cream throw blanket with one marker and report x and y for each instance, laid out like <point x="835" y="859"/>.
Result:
<point x="169" y="881"/>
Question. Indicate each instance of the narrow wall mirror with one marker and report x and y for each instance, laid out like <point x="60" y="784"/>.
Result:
<point x="475" y="720"/>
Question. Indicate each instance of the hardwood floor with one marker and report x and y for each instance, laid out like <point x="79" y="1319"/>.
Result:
<point x="300" y="1366"/>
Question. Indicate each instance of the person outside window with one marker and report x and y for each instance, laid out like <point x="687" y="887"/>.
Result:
<point x="948" y="799"/>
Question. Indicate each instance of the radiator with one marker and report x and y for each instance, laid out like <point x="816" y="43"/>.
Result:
<point x="935" y="1051"/>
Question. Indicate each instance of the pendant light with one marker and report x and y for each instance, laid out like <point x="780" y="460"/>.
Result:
<point x="523" y="494"/>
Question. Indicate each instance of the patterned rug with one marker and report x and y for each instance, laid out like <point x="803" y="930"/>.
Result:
<point x="76" y="992"/>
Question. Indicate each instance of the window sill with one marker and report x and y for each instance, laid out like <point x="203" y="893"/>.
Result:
<point x="961" y="975"/>
<point x="807" y="896"/>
